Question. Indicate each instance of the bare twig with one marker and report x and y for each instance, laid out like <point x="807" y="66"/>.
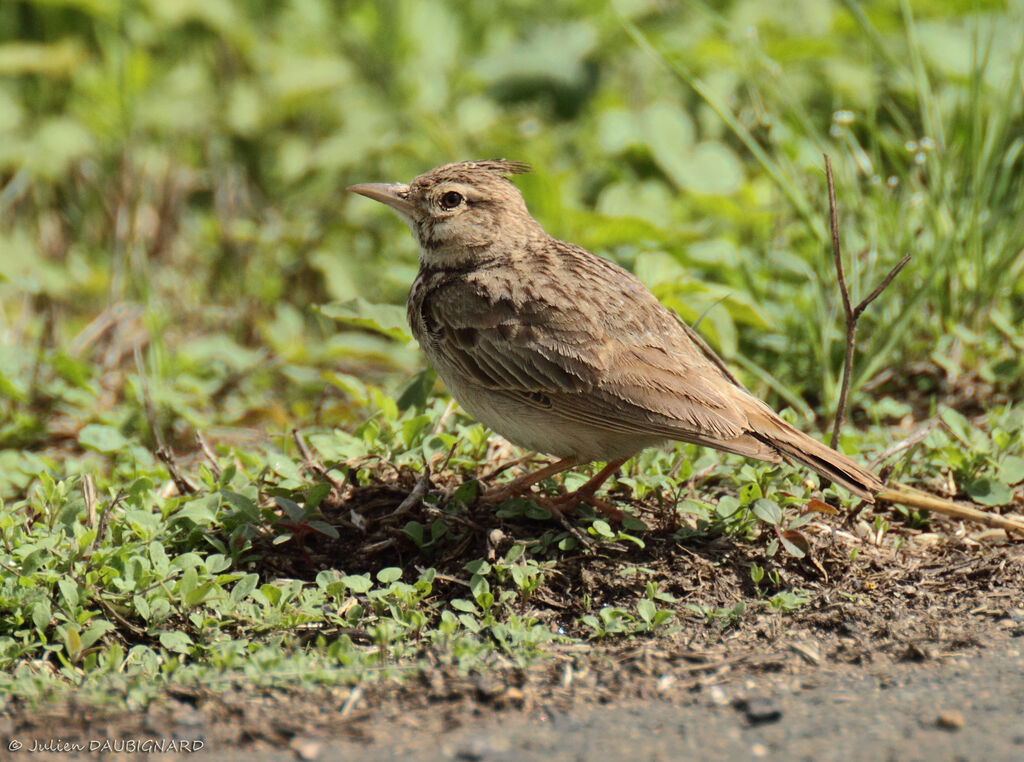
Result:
<point x="147" y="401"/>
<point x="413" y="498"/>
<point x="112" y="611"/>
<point x="448" y="410"/>
<point x="165" y="456"/>
<point x="904" y="444"/>
<point x="311" y="462"/>
<point x="210" y="456"/>
<point x="350" y="703"/>
<point x="851" y="313"/>
<point x="105" y="517"/>
<point x="881" y="286"/>
<point x="912" y="498"/>
<point x="163" y="452"/>
<point x="89" y="495"/>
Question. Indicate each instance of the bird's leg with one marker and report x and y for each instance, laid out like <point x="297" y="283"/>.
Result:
<point x="524" y="482"/>
<point x="585" y="494"/>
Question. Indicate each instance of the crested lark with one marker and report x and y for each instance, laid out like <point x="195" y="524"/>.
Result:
<point x="564" y="352"/>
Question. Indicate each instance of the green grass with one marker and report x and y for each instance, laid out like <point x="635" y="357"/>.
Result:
<point x="177" y="256"/>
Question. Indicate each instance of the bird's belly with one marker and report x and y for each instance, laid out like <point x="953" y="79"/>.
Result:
<point x="544" y="430"/>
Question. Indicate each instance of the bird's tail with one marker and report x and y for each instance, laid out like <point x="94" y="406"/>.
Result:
<point x="818" y="457"/>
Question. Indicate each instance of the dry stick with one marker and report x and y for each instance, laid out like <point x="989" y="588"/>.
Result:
<point x="852" y="313"/>
<point x="913" y="498"/>
<point x="89" y="495"/>
<point x="163" y="452"/>
<point x="105" y="517"/>
<point x="448" y="410"/>
<point x="907" y="496"/>
<point x="205" y="447"/>
<point x="313" y="463"/>
<point x="414" y="497"/>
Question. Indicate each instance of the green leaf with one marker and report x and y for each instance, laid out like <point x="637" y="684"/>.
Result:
<point x="750" y="491"/>
<point x="989" y="492"/>
<point x="727" y="506"/>
<point x="244" y="587"/>
<point x="388" y="319"/>
<point x="1011" y="469"/>
<point x="669" y="131"/>
<point x="96" y="630"/>
<point x="176" y="641"/>
<point x="461" y="604"/>
<point x="646" y="609"/>
<point x="768" y="511"/>
<point x="414" y="531"/>
<point x="603" y="529"/>
<point x="72" y="642"/>
<point x="105" y="439"/>
<point x="711" y="168"/>
<point x="41" y="614"/>
<point x="291" y="509"/>
<point x="357" y="583"/>
<point x="417" y="391"/>
<point x="958" y="425"/>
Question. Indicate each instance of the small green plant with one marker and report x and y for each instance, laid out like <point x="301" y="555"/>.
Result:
<point x="788" y="600"/>
<point x="724" y="616"/>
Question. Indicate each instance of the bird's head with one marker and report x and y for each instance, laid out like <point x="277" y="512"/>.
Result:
<point x="459" y="210"/>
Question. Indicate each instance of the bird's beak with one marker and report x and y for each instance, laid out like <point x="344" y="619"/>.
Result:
<point x="394" y="195"/>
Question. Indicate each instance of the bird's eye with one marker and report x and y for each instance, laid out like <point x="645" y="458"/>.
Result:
<point x="450" y="200"/>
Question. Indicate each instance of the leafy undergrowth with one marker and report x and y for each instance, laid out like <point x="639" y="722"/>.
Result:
<point x="363" y="559"/>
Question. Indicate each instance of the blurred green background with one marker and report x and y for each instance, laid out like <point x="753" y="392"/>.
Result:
<point x="172" y="180"/>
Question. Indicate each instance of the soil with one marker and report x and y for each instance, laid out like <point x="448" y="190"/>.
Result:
<point x="911" y="647"/>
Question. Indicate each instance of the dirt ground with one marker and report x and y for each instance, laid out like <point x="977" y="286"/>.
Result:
<point x="902" y="653"/>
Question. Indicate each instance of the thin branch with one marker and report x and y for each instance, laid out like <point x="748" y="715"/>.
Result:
<point x="904" y="444"/>
<point x="89" y="495"/>
<point x="443" y="420"/>
<point x="312" y="463"/>
<point x="851" y="313"/>
<point x="914" y="498"/>
<point x="881" y="286"/>
<point x="210" y="456"/>
<point x="851" y="319"/>
<point x="833" y="218"/>
<point x="105" y="517"/>
<point x="413" y="498"/>
<point x="163" y="452"/>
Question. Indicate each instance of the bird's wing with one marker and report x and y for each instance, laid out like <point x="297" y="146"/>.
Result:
<point x="621" y="361"/>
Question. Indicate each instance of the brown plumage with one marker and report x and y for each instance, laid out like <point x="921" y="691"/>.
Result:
<point x="564" y="352"/>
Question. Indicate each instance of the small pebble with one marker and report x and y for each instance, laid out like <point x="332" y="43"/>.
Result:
<point x="305" y="747"/>
<point x="759" y="710"/>
<point x="717" y="696"/>
<point x="950" y="719"/>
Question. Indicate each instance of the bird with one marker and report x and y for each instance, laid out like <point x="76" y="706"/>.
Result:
<point x="564" y="352"/>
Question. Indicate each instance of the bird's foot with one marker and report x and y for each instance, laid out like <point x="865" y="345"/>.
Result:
<point x="565" y="505"/>
<point x="562" y="505"/>
<point x="522" y="484"/>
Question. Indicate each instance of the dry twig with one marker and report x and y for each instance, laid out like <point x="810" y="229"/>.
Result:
<point x="312" y="463"/>
<point x="852" y="313"/>
<point x="912" y="498"/>
<point x="210" y="456"/>
<point x="163" y="452"/>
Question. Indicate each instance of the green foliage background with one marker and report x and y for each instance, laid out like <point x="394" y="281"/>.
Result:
<point x="172" y="200"/>
<point x="188" y="159"/>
